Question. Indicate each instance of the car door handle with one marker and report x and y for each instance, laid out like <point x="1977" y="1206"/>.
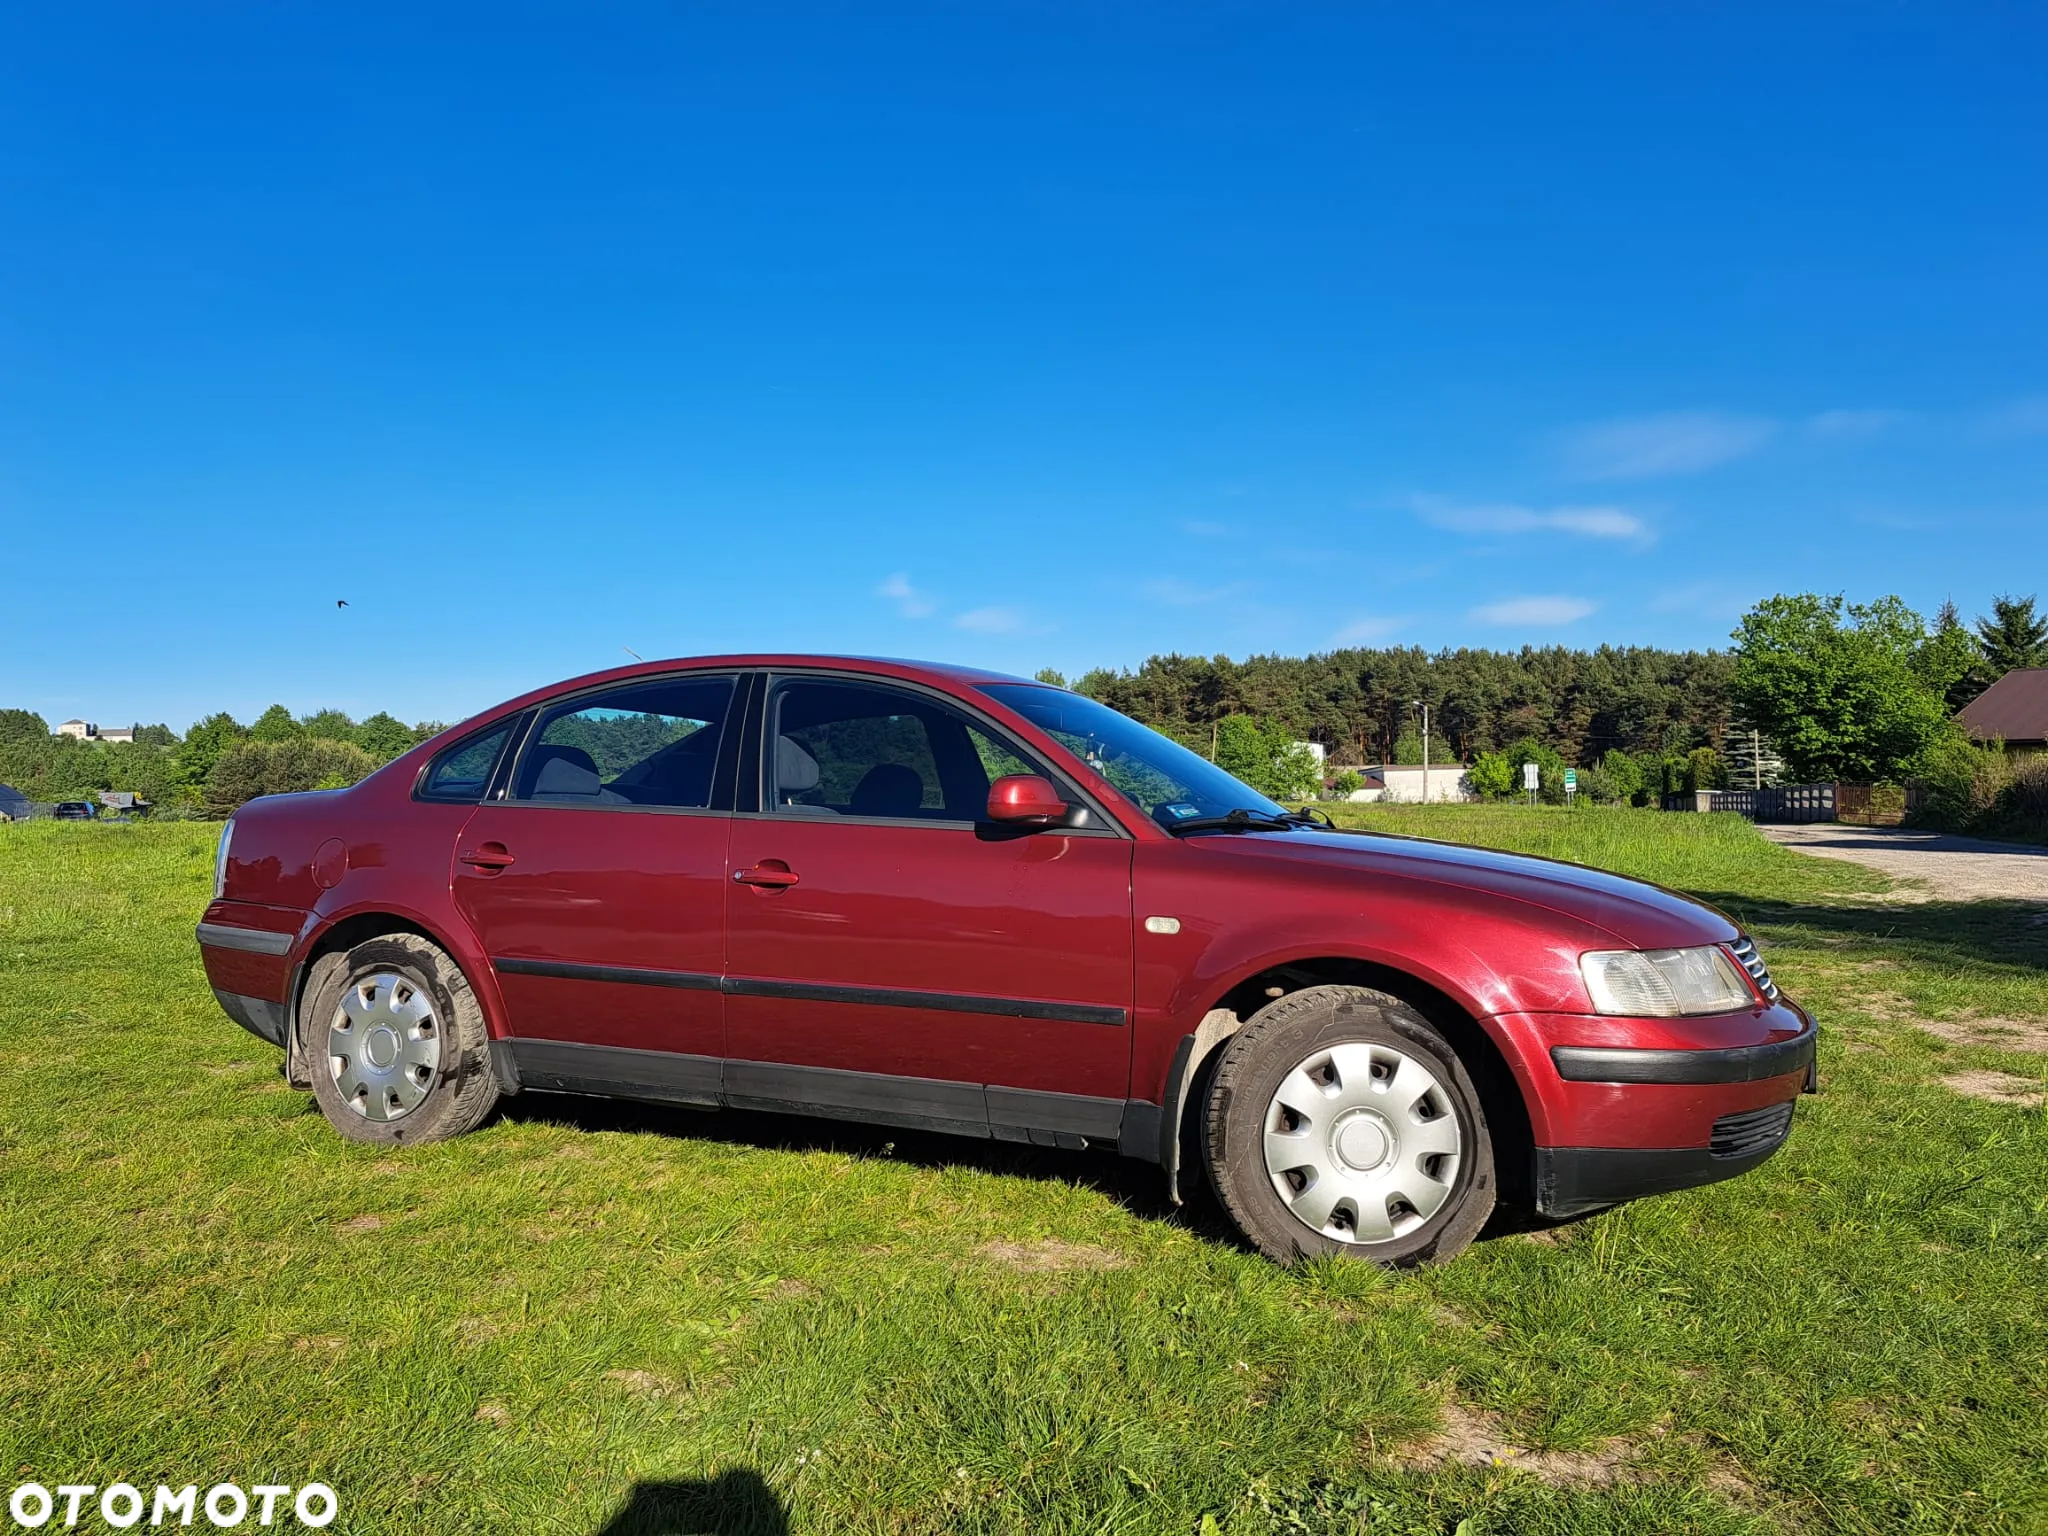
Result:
<point x="769" y="877"/>
<point x="487" y="856"/>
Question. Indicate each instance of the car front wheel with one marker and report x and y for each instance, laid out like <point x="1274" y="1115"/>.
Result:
<point x="1340" y="1122"/>
<point x="395" y="1044"/>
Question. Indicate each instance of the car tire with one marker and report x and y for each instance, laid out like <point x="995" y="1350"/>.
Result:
<point x="395" y="1044"/>
<point x="1340" y="1122"/>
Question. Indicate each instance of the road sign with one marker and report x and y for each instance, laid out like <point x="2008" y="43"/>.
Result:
<point x="1532" y="776"/>
<point x="1571" y="781"/>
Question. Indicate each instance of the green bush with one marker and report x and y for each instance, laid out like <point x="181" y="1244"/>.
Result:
<point x="1491" y="776"/>
<point x="1266" y="756"/>
<point x="1963" y="783"/>
<point x="1625" y="774"/>
<point x="253" y="768"/>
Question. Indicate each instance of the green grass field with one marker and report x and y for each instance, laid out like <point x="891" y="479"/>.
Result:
<point x="591" y="1318"/>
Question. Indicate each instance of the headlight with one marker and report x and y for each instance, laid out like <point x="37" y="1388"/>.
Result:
<point x="1664" y="983"/>
<point x="220" y="860"/>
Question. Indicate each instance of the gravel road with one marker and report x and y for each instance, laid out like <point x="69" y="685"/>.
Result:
<point x="1949" y="868"/>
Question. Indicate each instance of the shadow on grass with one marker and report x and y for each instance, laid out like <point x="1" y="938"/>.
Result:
<point x="2013" y="933"/>
<point x="1139" y="1187"/>
<point x="734" y="1503"/>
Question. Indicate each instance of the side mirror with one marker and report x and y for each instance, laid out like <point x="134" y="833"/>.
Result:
<point x="1024" y="799"/>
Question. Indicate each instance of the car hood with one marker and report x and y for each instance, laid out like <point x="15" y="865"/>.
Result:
<point x="1640" y="915"/>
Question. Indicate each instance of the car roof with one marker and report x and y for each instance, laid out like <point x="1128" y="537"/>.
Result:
<point x="935" y="672"/>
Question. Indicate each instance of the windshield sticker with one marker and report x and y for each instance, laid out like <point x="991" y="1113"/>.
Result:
<point x="1181" y="812"/>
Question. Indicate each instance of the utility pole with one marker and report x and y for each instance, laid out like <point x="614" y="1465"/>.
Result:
<point x="1425" y="749"/>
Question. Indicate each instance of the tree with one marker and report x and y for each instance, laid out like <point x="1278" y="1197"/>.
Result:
<point x="204" y="744"/>
<point x="1951" y="662"/>
<point x="251" y="768"/>
<point x="384" y="737"/>
<point x="1347" y="784"/>
<point x="328" y="725"/>
<point x="158" y="735"/>
<point x="2013" y="637"/>
<point x="1052" y="676"/>
<point x="1624" y="773"/>
<point x="1266" y="757"/>
<point x="1408" y="748"/>
<point x="23" y="727"/>
<point x="276" y="724"/>
<point x="1838" y="686"/>
<point x="1491" y="776"/>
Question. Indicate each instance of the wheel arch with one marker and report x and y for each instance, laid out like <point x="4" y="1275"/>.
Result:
<point x="344" y="931"/>
<point x="1503" y="1097"/>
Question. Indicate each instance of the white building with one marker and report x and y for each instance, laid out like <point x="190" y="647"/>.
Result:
<point x="1411" y="784"/>
<point x="85" y="730"/>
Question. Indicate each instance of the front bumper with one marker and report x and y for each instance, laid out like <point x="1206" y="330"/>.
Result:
<point x="1723" y="1064"/>
<point x="1573" y="1180"/>
<point x="1642" y="1107"/>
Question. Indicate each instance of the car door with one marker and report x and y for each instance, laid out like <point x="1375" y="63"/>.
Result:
<point x="596" y="884"/>
<point x="891" y="955"/>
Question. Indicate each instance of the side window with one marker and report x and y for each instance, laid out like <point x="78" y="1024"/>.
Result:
<point x="653" y="744"/>
<point x="461" y="772"/>
<point x="857" y="749"/>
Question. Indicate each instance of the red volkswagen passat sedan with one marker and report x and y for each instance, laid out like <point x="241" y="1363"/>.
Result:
<point x="935" y="897"/>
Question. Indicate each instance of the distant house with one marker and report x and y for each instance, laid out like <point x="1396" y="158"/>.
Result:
<point x="85" y="730"/>
<point x="1412" y="783"/>
<point x="2013" y="710"/>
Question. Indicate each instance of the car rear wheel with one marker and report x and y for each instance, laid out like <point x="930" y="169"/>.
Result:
<point x="1340" y="1122"/>
<point x="395" y="1044"/>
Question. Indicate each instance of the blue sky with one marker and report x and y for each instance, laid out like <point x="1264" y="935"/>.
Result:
<point x="1020" y="335"/>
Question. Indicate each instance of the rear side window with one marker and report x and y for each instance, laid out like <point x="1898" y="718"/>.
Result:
<point x="647" y="744"/>
<point x="462" y="771"/>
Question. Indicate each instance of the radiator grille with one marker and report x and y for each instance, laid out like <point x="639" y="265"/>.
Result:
<point x="1752" y="1131"/>
<point x="1744" y="950"/>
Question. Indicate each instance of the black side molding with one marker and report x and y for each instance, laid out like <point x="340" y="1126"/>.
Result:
<point x="817" y="992"/>
<point x="256" y="941"/>
<point x="1730" y="1064"/>
<point x="687" y="981"/>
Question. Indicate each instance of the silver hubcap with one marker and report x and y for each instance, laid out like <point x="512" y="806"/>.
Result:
<point x="1362" y="1143"/>
<point x="384" y="1046"/>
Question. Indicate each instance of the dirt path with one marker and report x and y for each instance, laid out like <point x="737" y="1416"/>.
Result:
<point x="1949" y="868"/>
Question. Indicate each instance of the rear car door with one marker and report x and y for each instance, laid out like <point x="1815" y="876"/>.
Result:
<point x="893" y="956"/>
<point x="596" y="884"/>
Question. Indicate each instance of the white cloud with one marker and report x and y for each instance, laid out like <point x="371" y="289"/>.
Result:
<point x="910" y="602"/>
<point x="991" y="621"/>
<point x="1509" y="517"/>
<point x="1533" y="610"/>
<point x="1364" y="630"/>
<point x="1852" y="423"/>
<point x="1185" y="594"/>
<point x="1674" y="443"/>
<point x="2023" y="418"/>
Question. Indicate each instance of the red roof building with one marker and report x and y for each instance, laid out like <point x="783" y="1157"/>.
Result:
<point x="2013" y="710"/>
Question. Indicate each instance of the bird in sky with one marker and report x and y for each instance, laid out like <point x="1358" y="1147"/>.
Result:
<point x="341" y="602"/>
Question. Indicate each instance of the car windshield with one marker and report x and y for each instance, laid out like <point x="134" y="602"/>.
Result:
<point x="1162" y="778"/>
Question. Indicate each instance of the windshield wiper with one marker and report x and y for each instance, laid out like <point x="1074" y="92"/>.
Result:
<point x="1239" y="820"/>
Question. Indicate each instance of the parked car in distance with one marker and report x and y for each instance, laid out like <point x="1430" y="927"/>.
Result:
<point x="74" y="810"/>
<point x="930" y="896"/>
